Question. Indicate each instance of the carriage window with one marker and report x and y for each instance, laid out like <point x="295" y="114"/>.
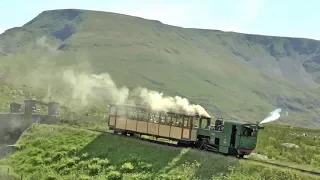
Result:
<point x="154" y="117"/>
<point x="162" y="118"/>
<point x="143" y="115"/>
<point x="151" y="117"/>
<point x="168" y="119"/>
<point x="132" y="113"/>
<point x="186" y="121"/>
<point x="113" y="110"/>
<point x="179" y="121"/>
<point x="174" y="119"/>
<point x="157" y="117"/>
<point x="121" y="112"/>
<point x="196" y="122"/>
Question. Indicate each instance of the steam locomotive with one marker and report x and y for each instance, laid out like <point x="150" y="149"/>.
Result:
<point x="229" y="137"/>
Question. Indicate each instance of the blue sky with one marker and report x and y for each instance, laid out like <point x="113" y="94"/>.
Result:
<point x="294" y="18"/>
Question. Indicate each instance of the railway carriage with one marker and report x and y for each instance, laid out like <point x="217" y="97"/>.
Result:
<point x="229" y="137"/>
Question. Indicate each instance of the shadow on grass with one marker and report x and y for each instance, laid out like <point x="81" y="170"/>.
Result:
<point x="165" y="160"/>
<point x="120" y="149"/>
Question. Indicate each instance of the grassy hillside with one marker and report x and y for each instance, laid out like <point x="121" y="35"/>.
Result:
<point x="59" y="152"/>
<point x="290" y="146"/>
<point x="233" y="75"/>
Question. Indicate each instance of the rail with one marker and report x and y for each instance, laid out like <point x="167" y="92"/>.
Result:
<point x="284" y="166"/>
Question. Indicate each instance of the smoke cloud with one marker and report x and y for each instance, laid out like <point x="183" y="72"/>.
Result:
<point x="274" y="115"/>
<point x="158" y="102"/>
<point x="86" y="87"/>
<point x="69" y="80"/>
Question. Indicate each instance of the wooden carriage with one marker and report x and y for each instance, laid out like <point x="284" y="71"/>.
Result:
<point x="141" y="120"/>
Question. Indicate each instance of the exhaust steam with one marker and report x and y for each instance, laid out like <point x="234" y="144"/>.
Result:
<point x="273" y="116"/>
<point x="86" y="87"/>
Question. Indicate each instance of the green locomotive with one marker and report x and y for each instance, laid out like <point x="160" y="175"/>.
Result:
<point x="229" y="137"/>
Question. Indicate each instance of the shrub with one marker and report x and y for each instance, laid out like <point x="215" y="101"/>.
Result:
<point x="94" y="169"/>
<point x="141" y="176"/>
<point x="103" y="162"/>
<point x="47" y="160"/>
<point x="127" y="167"/>
<point x="84" y="177"/>
<point x="110" y="168"/>
<point x="85" y="155"/>
<point x="114" y="175"/>
<point x="145" y="166"/>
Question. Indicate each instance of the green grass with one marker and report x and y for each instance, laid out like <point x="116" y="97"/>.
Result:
<point x="269" y="143"/>
<point x="62" y="152"/>
<point x="307" y="155"/>
<point x="201" y="65"/>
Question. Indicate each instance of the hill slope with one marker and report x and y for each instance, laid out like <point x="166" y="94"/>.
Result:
<point x="230" y="74"/>
<point x="68" y="153"/>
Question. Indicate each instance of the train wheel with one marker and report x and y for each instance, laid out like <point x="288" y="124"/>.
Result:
<point x="197" y="144"/>
<point x="241" y="156"/>
<point x="203" y="143"/>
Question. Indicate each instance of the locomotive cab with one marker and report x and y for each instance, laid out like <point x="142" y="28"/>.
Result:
<point x="247" y="139"/>
<point x="243" y="137"/>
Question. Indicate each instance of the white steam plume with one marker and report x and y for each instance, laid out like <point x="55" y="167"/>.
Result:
<point x="85" y="87"/>
<point x="157" y="102"/>
<point x="274" y="115"/>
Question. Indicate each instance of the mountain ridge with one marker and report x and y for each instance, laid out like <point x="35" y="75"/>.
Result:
<point x="232" y="74"/>
<point x="204" y="29"/>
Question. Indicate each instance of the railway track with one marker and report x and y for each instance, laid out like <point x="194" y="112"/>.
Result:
<point x="181" y="146"/>
<point x="283" y="166"/>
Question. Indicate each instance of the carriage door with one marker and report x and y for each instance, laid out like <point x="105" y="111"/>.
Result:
<point x="186" y="128"/>
<point x="233" y="136"/>
<point x="112" y="116"/>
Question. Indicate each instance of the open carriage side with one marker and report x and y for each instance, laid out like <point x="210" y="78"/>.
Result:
<point x="141" y="120"/>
